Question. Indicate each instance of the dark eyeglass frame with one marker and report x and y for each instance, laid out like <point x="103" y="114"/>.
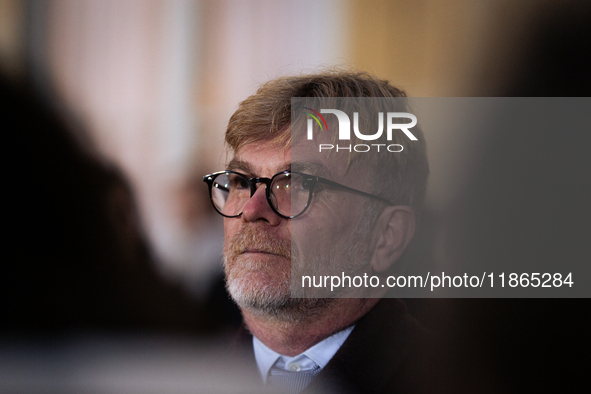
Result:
<point x="311" y="179"/>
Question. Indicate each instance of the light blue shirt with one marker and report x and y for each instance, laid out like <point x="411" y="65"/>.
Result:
<point x="319" y="354"/>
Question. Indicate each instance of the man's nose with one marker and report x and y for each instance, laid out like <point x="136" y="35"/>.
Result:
<point x="258" y="208"/>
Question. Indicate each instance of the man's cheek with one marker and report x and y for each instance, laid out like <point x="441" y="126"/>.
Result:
<point x="307" y="240"/>
<point x="227" y="231"/>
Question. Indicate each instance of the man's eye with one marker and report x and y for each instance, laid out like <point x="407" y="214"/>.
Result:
<point x="238" y="182"/>
<point x="300" y="185"/>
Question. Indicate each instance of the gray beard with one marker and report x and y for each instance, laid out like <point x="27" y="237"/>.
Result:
<point x="274" y="300"/>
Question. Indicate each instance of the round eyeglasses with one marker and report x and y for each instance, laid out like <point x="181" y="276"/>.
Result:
<point x="288" y="193"/>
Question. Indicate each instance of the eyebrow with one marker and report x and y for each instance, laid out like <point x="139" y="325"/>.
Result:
<point x="308" y="167"/>
<point x="312" y="168"/>
<point x="237" y="164"/>
<point x="247" y="168"/>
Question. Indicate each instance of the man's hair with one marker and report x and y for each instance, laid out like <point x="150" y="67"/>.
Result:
<point x="267" y="116"/>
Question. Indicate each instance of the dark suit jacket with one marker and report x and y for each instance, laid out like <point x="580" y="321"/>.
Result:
<point x="387" y="352"/>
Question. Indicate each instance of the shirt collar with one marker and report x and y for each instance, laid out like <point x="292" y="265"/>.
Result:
<point x="321" y="353"/>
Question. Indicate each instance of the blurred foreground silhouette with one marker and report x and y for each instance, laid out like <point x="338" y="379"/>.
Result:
<point x="75" y="258"/>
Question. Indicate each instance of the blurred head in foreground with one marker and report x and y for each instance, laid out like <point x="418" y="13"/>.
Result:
<point x="77" y="257"/>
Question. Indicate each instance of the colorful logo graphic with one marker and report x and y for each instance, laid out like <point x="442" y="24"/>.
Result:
<point x="315" y="116"/>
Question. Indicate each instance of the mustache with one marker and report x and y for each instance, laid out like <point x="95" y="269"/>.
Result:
<point x="255" y="238"/>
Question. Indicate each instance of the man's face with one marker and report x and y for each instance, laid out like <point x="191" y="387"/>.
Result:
<point x="257" y="244"/>
<point x="258" y="250"/>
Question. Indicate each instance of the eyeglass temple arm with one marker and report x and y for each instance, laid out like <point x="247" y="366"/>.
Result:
<point x="335" y="184"/>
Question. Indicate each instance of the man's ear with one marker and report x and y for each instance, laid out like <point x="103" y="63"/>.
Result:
<point x="394" y="228"/>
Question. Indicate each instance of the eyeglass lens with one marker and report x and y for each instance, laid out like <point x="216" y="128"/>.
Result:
<point x="288" y="193"/>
